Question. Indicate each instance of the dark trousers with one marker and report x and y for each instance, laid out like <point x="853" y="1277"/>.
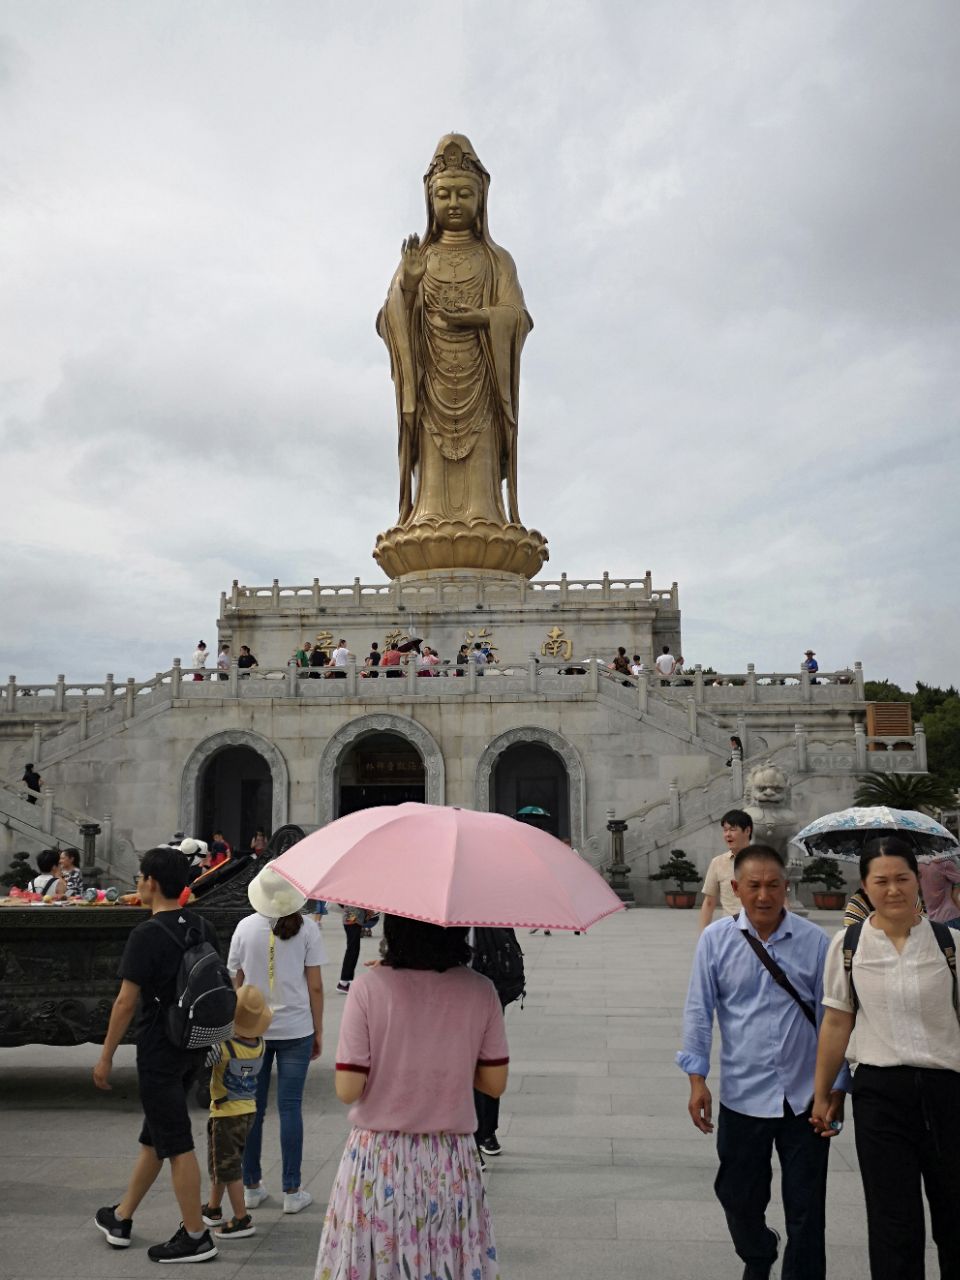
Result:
<point x="745" y="1146"/>
<point x="352" y="953"/>
<point x="488" y="1115"/>
<point x="907" y="1128"/>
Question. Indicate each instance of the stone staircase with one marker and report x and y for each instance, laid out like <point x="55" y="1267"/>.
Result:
<point x="46" y="824"/>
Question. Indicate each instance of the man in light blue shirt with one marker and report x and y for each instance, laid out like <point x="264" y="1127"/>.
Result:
<point x="768" y="1053"/>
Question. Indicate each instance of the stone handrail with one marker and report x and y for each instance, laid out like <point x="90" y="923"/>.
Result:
<point x="388" y="594"/>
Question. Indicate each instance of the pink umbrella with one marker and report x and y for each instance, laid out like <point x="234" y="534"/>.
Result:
<point x="450" y="867"/>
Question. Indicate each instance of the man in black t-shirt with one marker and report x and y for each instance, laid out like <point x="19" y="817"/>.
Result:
<point x="33" y="783"/>
<point x="148" y="973"/>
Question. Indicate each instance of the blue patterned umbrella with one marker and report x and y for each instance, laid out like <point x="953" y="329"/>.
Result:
<point x="842" y="835"/>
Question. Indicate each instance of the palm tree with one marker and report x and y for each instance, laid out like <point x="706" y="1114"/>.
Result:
<point x="921" y="791"/>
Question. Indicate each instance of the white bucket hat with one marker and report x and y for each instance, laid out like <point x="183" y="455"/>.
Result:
<point x="272" y="896"/>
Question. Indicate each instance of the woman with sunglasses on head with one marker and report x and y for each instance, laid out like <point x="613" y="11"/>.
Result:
<point x="891" y="1008"/>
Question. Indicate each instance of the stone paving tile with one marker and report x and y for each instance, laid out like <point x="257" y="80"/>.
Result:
<point x="602" y="1169"/>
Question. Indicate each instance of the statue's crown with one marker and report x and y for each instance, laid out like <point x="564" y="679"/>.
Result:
<point x="453" y="159"/>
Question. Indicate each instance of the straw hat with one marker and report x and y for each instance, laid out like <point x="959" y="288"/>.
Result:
<point x="253" y="1014"/>
<point x="272" y="896"/>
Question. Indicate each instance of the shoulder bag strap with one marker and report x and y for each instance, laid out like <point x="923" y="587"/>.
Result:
<point x="945" y="942"/>
<point x="779" y="977"/>
<point x="851" y="940"/>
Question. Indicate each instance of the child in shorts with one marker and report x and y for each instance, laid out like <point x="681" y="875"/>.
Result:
<point x="236" y="1066"/>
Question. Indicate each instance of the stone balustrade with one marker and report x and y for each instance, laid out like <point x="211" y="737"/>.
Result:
<point x="388" y="596"/>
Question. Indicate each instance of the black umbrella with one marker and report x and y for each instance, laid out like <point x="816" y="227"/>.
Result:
<point x="409" y="645"/>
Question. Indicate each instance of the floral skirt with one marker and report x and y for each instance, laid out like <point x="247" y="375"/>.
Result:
<point x="408" y="1206"/>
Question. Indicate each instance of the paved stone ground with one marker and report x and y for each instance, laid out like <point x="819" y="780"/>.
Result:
<point x="602" y="1170"/>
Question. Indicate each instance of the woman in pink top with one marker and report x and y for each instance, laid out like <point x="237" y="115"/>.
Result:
<point x="419" y="1033"/>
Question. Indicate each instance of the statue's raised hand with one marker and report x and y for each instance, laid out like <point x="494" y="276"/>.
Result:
<point x="413" y="264"/>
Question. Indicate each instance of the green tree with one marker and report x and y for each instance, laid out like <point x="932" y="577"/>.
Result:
<point x="884" y="691"/>
<point x="905" y="791"/>
<point x="942" y="728"/>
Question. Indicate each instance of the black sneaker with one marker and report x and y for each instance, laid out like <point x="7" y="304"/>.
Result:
<point x="237" y="1229"/>
<point x="117" y="1230"/>
<point x="211" y="1217"/>
<point x="490" y="1146"/>
<point x="181" y="1248"/>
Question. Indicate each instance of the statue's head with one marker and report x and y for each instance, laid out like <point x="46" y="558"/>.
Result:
<point x="767" y="784"/>
<point x="456" y="187"/>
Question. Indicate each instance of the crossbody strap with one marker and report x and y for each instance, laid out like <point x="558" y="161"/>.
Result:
<point x="779" y="977"/>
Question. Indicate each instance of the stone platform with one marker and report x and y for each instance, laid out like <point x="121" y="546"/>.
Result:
<point x="602" y="1171"/>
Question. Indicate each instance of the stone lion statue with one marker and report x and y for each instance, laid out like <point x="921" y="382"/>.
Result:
<point x="767" y="800"/>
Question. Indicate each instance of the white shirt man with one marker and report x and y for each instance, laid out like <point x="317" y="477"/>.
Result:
<point x="665" y="664"/>
<point x="340" y="654"/>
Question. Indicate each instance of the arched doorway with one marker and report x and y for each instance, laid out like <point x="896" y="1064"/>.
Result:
<point x="531" y="776"/>
<point x="235" y="795"/>
<point x="409" y="733"/>
<point x="379" y="768"/>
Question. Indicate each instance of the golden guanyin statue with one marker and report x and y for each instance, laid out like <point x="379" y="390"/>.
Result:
<point x="455" y="323"/>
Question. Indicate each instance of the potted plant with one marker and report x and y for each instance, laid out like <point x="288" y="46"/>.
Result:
<point x="825" y="871"/>
<point x="682" y="872"/>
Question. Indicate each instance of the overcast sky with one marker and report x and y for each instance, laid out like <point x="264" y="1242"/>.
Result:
<point x="736" y="227"/>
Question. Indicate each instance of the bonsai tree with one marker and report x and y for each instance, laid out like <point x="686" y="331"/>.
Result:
<point x="679" y="869"/>
<point x="19" y="873"/>
<point x="923" y="791"/>
<point x="824" y="871"/>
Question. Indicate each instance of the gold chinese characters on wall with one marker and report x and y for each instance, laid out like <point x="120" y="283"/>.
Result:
<point x="556" y="645"/>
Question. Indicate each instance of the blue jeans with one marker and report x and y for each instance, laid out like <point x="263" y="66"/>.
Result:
<point x="293" y="1058"/>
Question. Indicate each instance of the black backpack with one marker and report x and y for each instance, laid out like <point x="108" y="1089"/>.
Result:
<point x="944" y="937"/>
<point x="497" y="955"/>
<point x="205" y="1002"/>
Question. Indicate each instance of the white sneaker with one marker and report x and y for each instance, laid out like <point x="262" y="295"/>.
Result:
<point x="253" y="1197"/>
<point x="294" y="1201"/>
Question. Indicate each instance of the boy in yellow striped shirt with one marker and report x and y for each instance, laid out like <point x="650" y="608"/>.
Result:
<point x="236" y="1067"/>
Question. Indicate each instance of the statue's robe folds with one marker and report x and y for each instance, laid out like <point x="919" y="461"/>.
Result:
<point x="457" y="389"/>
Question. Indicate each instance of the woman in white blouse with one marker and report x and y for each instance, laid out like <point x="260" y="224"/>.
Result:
<point x="892" y="1014"/>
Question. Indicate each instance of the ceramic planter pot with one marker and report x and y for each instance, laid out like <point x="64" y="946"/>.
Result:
<point x="676" y="898"/>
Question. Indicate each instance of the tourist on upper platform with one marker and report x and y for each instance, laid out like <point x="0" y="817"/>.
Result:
<point x="392" y="659"/>
<point x="665" y="665"/>
<point x="72" y="875"/>
<point x="427" y="661"/>
<point x="372" y="661"/>
<point x="148" y="972"/>
<point x="621" y="664"/>
<point x="339" y="658"/>
<point x="637" y="666"/>
<point x="318" y="659"/>
<point x="274" y="949"/>
<point x="478" y="657"/>
<point x="246" y="662"/>
<point x="811" y="665"/>
<point x="761" y="973"/>
<point x="49" y="881"/>
<point x="891" y="996"/>
<point x="33" y="782"/>
<point x="223" y="662"/>
<point x="303" y="654"/>
<point x="199" y="660"/>
<point x="737" y="828"/>
<point x="419" y="1032"/>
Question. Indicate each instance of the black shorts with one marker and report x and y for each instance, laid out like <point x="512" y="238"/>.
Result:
<point x="165" y="1080"/>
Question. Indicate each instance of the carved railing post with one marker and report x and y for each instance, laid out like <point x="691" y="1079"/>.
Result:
<point x="233" y="675"/>
<point x="736" y="775"/>
<point x="176" y="678"/>
<point x="472" y="674"/>
<point x="106" y="828"/>
<point x="648" y="583"/>
<point x="692" y="714"/>
<point x="109" y="690"/>
<point x="275" y="593"/>
<point x="532" y="666"/>
<point x="751" y="682"/>
<point x="698" y="683"/>
<point x="11" y="693"/>
<point x="235" y="592"/>
<point x="800" y="735"/>
<point x="643" y="692"/>
<point x="130" y="699"/>
<point x="352" y="673"/>
<point x="860" y="745"/>
<point x="920" y="747"/>
<point x="594" y="673"/>
<point x="858" y="681"/>
<point x="292" y="678"/>
<point x="223" y="605"/>
<point x="805" y="690"/>
<point x="316" y="593"/>
<point x="743" y="735"/>
<point x="83" y="719"/>
<point x="563" y="586"/>
<point x="674" y="804"/>
<point x="46" y="809"/>
<point x="35" y="744"/>
<point x="605" y="585"/>
<point x="60" y="693"/>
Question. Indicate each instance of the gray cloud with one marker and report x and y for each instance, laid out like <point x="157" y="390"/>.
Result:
<point x="736" y="231"/>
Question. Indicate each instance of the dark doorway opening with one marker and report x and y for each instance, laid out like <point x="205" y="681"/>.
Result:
<point x="382" y="768"/>
<point x="236" y="796"/>
<point x="532" y="776"/>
